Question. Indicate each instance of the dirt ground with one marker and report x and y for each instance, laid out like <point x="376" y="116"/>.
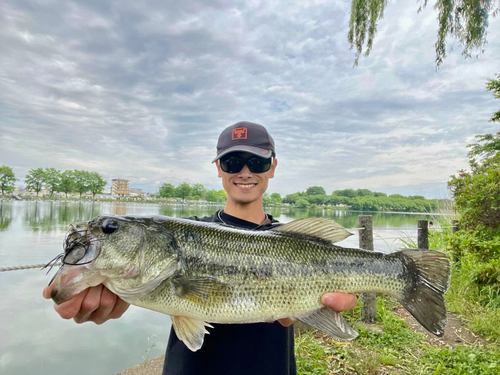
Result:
<point x="455" y="332"/>
<point x="152" y="367"/>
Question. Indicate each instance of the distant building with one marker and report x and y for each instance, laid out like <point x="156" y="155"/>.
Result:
<point x="136" y="192"/>
<point x="120" y="187"/>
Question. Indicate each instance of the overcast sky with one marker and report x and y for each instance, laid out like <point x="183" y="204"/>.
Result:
<point x="141" y="90"/>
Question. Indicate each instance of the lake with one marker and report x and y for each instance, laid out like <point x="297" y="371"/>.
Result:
<point x="35" y="340"/>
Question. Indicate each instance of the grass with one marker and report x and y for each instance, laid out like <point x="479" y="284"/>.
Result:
<point x="393" y="348"/>
<point x="480" y="311"/>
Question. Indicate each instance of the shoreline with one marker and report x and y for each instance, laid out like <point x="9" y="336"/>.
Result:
<point x="152" y="366"/>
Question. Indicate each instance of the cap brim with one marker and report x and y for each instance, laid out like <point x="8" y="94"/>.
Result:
<point x="262" y="152"/>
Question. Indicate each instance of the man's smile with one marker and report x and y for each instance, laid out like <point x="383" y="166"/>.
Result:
<point x="245" y="186"/>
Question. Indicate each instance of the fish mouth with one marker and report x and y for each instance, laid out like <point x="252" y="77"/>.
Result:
<point x="72" y="281"/>
<point x="81" y="248"/>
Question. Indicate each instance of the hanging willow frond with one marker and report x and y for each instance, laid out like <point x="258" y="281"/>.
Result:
<point x="465" y="20"/>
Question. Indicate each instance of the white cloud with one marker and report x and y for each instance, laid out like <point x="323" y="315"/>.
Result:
<point x="142" y="92"/>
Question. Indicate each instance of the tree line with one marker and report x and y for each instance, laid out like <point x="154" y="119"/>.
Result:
<point x="53" y="180"/>
<point x="362" y="200"/>
<point x="69" y="181"/>
<point x="192" y="192"/>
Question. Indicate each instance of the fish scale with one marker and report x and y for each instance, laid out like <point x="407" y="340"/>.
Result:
<point x="200" y="273"/>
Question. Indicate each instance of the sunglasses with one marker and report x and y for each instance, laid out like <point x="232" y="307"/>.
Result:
<point x="234" y="164"/>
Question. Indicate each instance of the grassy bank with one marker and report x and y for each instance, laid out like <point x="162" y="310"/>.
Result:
<point x="471" y="344"/>
<point x="391" y="347"/>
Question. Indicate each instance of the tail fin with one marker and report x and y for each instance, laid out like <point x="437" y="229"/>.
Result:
<point x="430" y="272"/>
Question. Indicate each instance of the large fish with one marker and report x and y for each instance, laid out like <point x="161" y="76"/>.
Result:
<point x="201" y="273"/>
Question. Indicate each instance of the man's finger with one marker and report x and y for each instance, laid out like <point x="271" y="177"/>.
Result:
<point x="120" y="307"/>
<point x="47" y="291"/>
<point x="69" y="308"/>
<point x="339" y="301"/>
<point x="107" y="302"/>
<point x="89" y="304"/>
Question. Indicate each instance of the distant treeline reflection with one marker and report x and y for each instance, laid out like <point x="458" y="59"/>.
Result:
<point x="58" y="215"/>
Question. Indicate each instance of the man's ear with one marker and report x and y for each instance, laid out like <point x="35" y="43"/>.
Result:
<point x="219" y="171"/>
<point x="273" y="167"/>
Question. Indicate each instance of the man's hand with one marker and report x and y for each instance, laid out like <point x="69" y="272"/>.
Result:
<point x="96" y="304"/>
<point x="336" y="301"/>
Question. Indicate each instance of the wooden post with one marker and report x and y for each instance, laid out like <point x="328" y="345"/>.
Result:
<point x="369" y="308"/>
<point x="423" y="234"/>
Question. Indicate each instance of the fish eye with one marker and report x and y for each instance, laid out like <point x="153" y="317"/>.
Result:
<point x="109" y="226"/>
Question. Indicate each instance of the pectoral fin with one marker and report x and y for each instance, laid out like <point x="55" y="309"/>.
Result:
<point x="199" y="288"/>
<point x="190" y="331"/>
<point x="330" y="322"/>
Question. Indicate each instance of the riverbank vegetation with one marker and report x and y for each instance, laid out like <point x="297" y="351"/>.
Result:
<point x="389" y="346"/>
<point x="364" y="200"/>
<point x="71" y="184"/>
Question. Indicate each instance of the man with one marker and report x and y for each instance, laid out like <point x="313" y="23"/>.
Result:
<point x="245" y="162"/>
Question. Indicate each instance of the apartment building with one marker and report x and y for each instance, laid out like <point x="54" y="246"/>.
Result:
<point x="120" y="187"/>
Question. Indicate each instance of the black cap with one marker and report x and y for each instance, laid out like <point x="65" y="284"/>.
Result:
<point x="245" y="136"/>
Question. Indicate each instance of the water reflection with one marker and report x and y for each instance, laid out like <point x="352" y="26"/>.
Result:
<point x="348" y="218"/>
<point x="119" y="209"/>
<point x="187" y="210"/>
<point x="32" y="232"/>
<point x="5" y="216"/>
<point x="49" y="216"/>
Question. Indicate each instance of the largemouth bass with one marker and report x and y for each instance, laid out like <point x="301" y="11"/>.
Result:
<point x="201" y="273"/>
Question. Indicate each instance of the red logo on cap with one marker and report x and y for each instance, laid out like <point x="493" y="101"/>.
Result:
<point x="239" y="133"/>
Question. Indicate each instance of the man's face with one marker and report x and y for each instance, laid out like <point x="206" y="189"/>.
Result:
<point x="245" y="187"/>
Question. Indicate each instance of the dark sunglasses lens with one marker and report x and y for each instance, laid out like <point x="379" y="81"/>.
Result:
<point x="232" y="164"/>
<point x="258" y="165"/>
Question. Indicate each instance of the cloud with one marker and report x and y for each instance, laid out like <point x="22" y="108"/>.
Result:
<point x="142" y="91"/>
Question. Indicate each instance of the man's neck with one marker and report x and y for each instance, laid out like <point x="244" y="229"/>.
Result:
<point x="252" y="212"/>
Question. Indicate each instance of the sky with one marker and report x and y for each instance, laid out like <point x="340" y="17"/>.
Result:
<point x="142" y="90"/>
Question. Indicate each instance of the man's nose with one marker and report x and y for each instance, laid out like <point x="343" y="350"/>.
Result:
<point x="245" y="171"/>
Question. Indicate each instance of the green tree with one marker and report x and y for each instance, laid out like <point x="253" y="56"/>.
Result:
<point x="95" y="183"/>
<point x="364" y="193"/>
<point x="276" y="198"/>
<point x="345" y="193"/>
<point x="494" y="85"/>
<point x="183" y="190"/>
<point x="222" y="195"/>
<point x="420" y="197"/>
<point x="213" y="195"/>
<point x="66" y="182"/>
<point x="167" y="190"/>
<point x="81" y="181"/>
<point x="35" y="179"/>
<point x="52" y="179"/>
<point x="198" y="191"/>
<point x="302" y="203"/>
<point x="7" y="179"/>
<point x="291" y="198"/>
<point x="315" y="190"/>
<point x="464" y="20"/>
<point x="266" y="199"/>
<point x="477" y="192"/>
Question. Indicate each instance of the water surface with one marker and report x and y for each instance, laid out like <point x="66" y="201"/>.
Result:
<point x="35" y="340"/>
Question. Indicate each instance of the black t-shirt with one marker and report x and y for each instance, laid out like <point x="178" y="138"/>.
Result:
<point x="235" y="349"/>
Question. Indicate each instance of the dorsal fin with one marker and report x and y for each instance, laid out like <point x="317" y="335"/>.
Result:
<point x="321" y="227"/>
